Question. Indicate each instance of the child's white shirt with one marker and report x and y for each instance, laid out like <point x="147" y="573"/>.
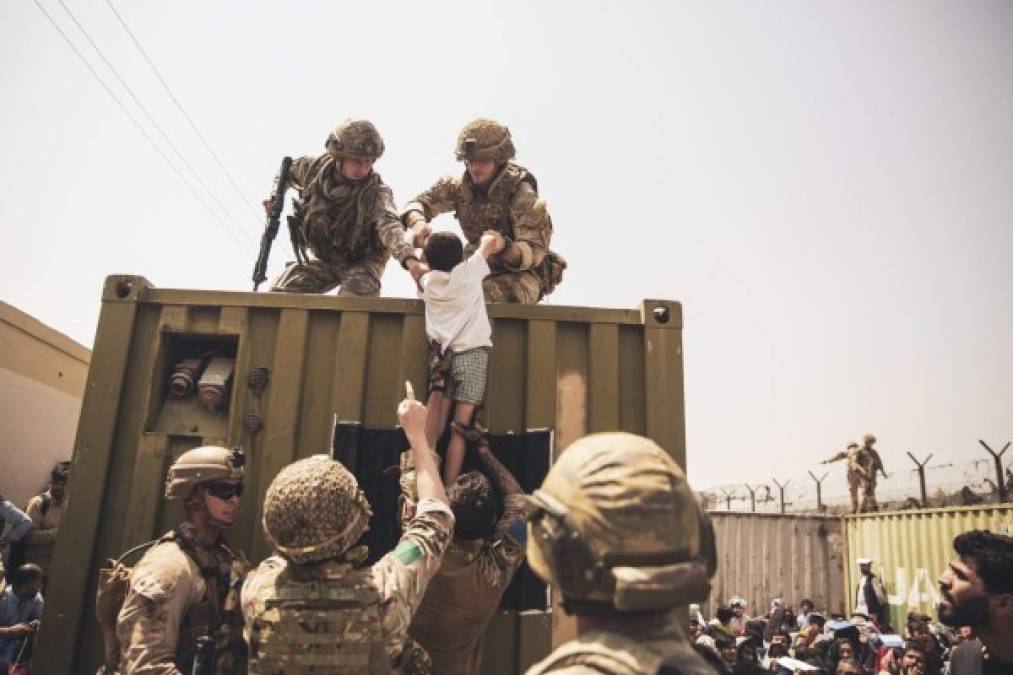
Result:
<point x="455" y="306"/>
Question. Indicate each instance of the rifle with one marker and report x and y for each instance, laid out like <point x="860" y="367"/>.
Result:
<point x="204" y="658"/>
<point x="273" y="221"/>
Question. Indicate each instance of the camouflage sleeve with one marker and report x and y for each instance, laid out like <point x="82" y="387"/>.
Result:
<point x="162" y="586"/>
<point x="403" y="574"/>
<point x="440" y="198"/>
<point x="532" y="230"/>
<point x="506" y="551"/>
<point x="389" y="227"/>
<point x="257" y="588"/>
<point x="299" y="174"/>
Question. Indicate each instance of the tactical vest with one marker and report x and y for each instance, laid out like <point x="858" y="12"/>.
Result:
<point x="329" y="228"/>
<point x="218" y="615"/>
<point x="621" y="655"/>
<point x="478" y="211"/>
<point x="319" y="621"/>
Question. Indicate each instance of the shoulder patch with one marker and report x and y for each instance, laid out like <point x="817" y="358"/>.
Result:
<point x="408" y="552"/>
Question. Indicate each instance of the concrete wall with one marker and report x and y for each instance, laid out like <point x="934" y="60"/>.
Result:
<point x="42" y="380"/>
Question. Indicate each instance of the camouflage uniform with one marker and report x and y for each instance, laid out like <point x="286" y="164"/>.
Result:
<point x="313" y="608"/>
<point x="351" y="227"/>
<point x="510" y="205"/>
<point x="872" y="464"/>
<point x="620" y="536"/>
<point x="183" y="589"/>
<point x="856" y="458"/>
<point x="466" y="592"/>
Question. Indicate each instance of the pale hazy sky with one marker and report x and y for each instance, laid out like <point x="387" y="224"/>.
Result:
<point x="827" y="187"/>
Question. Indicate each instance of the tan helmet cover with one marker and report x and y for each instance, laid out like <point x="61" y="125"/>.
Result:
<point x="631" y="505"/>
<point x="483" y="139"/>
<point x="355" y="138"/>
<point x="314" y="510"/>
<point x="869" y="439"/>
<point x="202" y="465"/>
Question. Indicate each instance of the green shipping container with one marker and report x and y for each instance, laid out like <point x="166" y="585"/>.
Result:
<point x="299" y="375"/>
<point x="910" y="550"/>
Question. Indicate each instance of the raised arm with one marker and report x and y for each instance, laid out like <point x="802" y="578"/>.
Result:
<point x="412" y="416"/>
<point x="500" y="475"/>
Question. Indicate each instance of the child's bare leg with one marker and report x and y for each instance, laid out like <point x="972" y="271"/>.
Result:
<point x="438" y="407"/>
<point x="463" y="415"/>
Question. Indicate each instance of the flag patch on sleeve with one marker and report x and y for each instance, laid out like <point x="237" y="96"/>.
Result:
<point x="408" y="552"/>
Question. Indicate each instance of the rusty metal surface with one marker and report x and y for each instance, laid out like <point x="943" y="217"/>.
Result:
<point x="910" y="550"/>
<point x="764" y="556"/>
<point x="303" y="364"/>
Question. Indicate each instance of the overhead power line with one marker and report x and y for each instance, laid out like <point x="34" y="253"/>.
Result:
<point x="179" y="106"/>
<point x="165" y="136"/>
<point x="126" y="111"/>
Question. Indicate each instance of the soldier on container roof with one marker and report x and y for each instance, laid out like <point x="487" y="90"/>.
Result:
<point x="494" y="193"/>
<point x="345" y="216"/>
<point x="873" y="465"/>
<point x="856" y="470"/>
<point x="312" y="607"/>
<point x="620" y="536"/>
<point x="187" y="585"/>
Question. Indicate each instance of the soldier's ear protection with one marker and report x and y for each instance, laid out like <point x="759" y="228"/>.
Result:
<point x="575" y="568"/>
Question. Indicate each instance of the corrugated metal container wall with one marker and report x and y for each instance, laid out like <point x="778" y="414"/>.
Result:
<point x="910" y="550"/>
<point x="763" y="556"/>
<point x="332" y="364"/>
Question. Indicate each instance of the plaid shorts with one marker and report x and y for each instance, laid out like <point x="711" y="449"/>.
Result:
<point x="468" y="373"/>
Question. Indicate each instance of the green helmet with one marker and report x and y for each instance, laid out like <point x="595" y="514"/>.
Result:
<point x="355" y="138"/>
<point x="314" y="510"/>
<point x="616" y="523"/>
<point x="485" y="139"/>
<point x="203" y="465"/>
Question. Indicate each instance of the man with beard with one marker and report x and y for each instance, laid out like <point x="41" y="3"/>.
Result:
<point x="977" y="591"/>
<point x="345" y="217"/>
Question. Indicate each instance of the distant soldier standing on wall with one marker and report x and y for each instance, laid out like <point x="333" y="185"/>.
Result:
<point x="495" y="194"/>
<point x="345" y="216"/>
<point x="312" y="607"/>
<point x="856" y="470"/>
<point x="873" y="464"/>
<point x="620" y="536"/>
<point x="186" y="586"/>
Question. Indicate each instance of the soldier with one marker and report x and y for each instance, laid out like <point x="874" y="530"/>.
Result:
<point x="345" y="216"/>
<point x="856" y="470"/>
<point x="478" y="566"/>
<point x="495" y="194"/>
<point x="621" y="538"/>
<point x="186" y="587"/>
<point x="311" y="607"/>
<point x="873" y="464"/>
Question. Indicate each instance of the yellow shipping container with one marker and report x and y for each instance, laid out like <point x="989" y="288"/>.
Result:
<point x="910" y="550"/>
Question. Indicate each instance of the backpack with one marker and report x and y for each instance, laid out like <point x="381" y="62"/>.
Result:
<point x="113" y="584"/>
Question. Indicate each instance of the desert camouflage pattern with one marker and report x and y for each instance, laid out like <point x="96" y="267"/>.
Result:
<point x="170" y="603"/>
<point x="856" y="458"/>
<point x="466" y="592"/>
<point x="397" y="582"/>
<point x="510" y="205"/>
<point x="633" y="646"/>
<point x="355" y="138"/>
<point x="323" y="618"/>
<point x="350" y="228"/>
<point x="483" y="139"/>
<point x="314" y="510"/>
<point x="629" y="500"/>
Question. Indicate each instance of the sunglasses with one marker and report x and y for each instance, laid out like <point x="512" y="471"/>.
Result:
<point x="225" y="491"/>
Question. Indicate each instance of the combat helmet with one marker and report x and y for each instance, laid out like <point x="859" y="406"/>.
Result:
<point x="615" y="523"/>
<point x="485" y="139"/>
<point x="203" y="465"/>
<point x="314" y="510"/>
<point x="868" y="439"/>
<point x="355" y="138"/>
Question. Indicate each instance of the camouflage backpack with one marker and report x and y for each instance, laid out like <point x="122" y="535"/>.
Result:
<point x="319" y="620"/>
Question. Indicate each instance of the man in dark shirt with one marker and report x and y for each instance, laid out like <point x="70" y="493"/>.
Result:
<point x="977" y="590"/>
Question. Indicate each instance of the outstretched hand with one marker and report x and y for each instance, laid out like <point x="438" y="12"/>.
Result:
<point x="412" y="414"/>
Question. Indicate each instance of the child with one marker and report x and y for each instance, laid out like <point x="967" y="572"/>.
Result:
<point x="456" y="319"/>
